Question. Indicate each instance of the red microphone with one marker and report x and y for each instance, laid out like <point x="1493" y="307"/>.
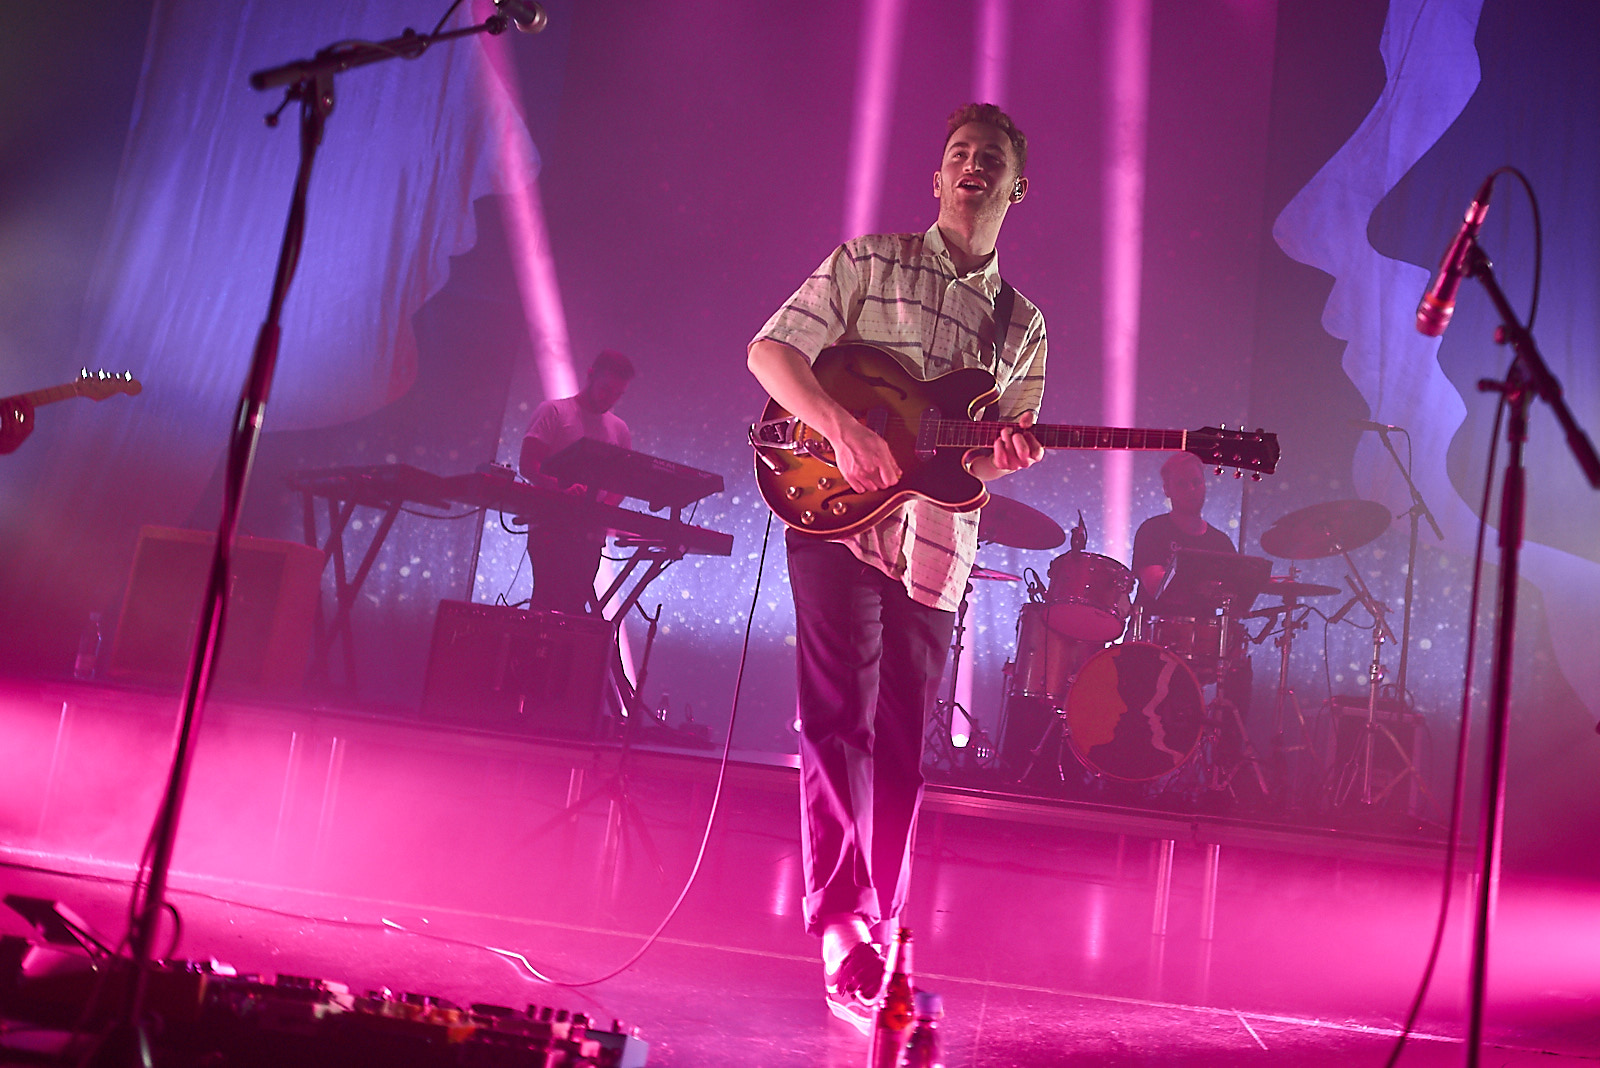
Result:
<point x="1439" y="303"/>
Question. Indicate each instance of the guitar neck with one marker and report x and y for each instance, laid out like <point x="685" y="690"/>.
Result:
<point x="53" y="394"/>
<point x="962" y="433"/>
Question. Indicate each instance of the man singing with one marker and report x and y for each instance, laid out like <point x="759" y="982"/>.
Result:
<point x="874" y="610"/>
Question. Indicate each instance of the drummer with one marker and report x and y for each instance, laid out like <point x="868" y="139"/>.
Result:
<point x="1183" y="478"/>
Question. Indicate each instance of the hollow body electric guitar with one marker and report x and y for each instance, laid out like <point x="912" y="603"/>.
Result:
<point x="931" y="426"/>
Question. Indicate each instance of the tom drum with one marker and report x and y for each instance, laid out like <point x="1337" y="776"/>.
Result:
<point x="1089" y="597"/>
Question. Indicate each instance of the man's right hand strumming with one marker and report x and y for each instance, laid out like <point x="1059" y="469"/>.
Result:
<point x="863" y="458"/>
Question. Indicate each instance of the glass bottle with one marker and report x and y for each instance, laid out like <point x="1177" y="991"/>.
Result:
<point x="891" y="1028"/>
<point x="88" y="658"/>
<point x="922" y="1049"/>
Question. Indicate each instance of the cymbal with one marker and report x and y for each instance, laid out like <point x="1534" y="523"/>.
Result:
<point x="994" y="576"/>
<point x="1325" y="529"/>
<point x="1282" y="587"/>
<point x="1004" y="521"/>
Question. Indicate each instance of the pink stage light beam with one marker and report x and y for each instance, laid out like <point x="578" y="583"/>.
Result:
<point x="1127" y="115"/>
<point x="881" y="22"/>
<point x="991" y="52"/>
<point x="535" y="268"/>
<point x="991" y="32"/>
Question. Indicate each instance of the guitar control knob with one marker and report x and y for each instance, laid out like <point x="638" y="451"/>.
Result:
<point x="808" y="517"/>
<point x="838" y="508"/>
<point x="824" y="483"/>
<point x="793" y="493"/>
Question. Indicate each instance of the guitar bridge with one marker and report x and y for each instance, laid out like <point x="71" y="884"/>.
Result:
<point x="776" y="434"/>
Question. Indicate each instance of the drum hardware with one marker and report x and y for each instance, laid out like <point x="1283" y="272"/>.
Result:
<point x="1219" y="775"/>
<point x="1288" y="587"/>
<point x="1357" y="769"/>
<point x="941" y="748"/>
<point x="1090" y="597"/>
<point x="1332" y="528"/>
<point x="1417" y="512"/>
<point x="1285" y="620"/>
<point x="1327" y="529"/>
<point x="1011" y="523"/>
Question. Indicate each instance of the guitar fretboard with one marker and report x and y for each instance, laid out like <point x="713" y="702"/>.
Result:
<point x="53" y="394"/>
<point x="961" y="433"/>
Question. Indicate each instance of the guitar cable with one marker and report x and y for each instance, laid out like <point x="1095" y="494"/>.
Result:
<point x="711" y="817"/>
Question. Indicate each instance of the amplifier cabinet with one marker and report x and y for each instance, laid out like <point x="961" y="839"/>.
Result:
<point x="508" y="669"/>
<point x="272" y="602"/>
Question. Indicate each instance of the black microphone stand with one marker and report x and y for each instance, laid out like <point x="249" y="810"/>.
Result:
<point x="1417" y="511"/>
<point x="1527" y="377"/>
<point x="309" y="81"/>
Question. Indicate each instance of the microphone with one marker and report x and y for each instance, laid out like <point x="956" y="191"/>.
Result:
<point x="525" y="15"/>
<point x="1080" y="534"/>
<point x="1368" y="424"/>
<point x="1341" y="613"/>
<point x="1439" y="303"/>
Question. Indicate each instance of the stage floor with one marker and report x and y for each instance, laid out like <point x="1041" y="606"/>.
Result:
<point x="380" y="853"/>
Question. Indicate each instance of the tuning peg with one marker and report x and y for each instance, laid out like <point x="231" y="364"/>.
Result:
<point x="1238" y="473"/>
<point x="1255" y="476"/>
<point x="1217" y="470"/>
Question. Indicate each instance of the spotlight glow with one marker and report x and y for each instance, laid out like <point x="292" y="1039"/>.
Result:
<point x="1126" y="119"/>
<point x="881" y="22"/>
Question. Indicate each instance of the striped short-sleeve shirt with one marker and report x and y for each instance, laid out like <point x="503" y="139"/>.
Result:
<point x="901" y="292"/>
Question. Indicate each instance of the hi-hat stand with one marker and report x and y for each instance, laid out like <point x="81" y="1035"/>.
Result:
<point x="1282" y="631"/>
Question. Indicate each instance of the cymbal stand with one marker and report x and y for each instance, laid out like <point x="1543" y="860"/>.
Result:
<point x="1418" y="511"/>
<point x="1357" y="768"/>
<point x="942" y="752"/>
<point x="1218" y="777"/>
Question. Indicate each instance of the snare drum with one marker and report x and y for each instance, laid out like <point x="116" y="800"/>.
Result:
<point x="1204" y="642"/>
<point x="1134" y="712"/>
<point x="1089" y="597"/>
<point x="1046" y="660"/>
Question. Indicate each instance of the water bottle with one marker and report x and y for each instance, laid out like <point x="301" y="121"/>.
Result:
<point x="891" y="1028"/>
<point x="88" y="649"/>
<point x="922" y="1049"/>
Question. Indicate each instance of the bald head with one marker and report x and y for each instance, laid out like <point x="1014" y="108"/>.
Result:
<point x="1183" y="478"/>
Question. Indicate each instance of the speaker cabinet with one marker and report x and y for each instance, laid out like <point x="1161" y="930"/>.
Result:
<point x="507" y="669"/>
<point x="272" y="602"/>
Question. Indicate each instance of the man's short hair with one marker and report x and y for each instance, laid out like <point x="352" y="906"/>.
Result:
<point x="1180" y="459"/>
<point x="611" y="362"/>
<point x="990" y="115"/>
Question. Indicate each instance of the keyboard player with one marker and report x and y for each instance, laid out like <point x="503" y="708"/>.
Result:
<point x="565" y="554"/>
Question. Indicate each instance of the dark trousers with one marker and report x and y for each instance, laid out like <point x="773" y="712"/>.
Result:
<point x="564" y="559"/>
<point x="869" y="660"/>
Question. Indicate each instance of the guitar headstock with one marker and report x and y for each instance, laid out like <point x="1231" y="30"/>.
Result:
<point x="98" y="385"/>
<point x="1244" y="450"/>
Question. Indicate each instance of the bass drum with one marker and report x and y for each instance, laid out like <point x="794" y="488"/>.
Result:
<point x="1046" y="660"/>
<point x="1089" y="597"/>
<point x="1135" y="712"/>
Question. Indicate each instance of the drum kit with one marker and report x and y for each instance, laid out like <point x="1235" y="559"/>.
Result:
<point x="1100" y="690"/>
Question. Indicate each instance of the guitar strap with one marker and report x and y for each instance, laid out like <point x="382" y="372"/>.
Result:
<point x="1004" y="302"/>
